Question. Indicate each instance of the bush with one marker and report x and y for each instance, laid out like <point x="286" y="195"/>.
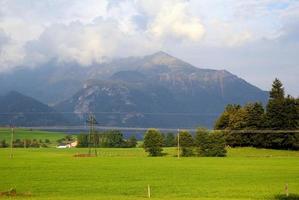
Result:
<point x="3" y="144"/>
<point x="153" y="142"/>
<point x="169" y="140"/>
<point x="210" y="144"/>
<point x="186" y="143"/>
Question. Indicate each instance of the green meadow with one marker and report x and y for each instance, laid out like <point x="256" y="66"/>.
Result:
<point x="5" y="134"/>
<point x="116" y="174"/>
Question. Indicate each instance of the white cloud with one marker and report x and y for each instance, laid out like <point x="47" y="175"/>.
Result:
<point x="238" y="35"/>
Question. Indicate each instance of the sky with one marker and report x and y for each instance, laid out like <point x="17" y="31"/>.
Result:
<point x="257" y="40"/>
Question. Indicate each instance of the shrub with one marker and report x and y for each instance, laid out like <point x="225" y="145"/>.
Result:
<point x="153" y="142"/>
<point x="3" y="144"/>
<point x="169" y="140"/>
<point x="211" y="144"/>
<point x="186" y="143"/>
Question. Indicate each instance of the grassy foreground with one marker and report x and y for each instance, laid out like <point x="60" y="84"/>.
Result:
<point x="49" y="173"/>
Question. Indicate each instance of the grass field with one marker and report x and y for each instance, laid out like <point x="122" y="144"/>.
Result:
<point x="247" y="173"/>
<point x="5" y="134"/>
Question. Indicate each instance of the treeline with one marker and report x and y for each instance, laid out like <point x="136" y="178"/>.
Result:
<point x="288" y="140"/>
<point x="26" y="143"/>
<point x="263" y="127"/>
<point x="281" y="113"/>
<point x="114" y="139"/>
<point x="204" y="143"/>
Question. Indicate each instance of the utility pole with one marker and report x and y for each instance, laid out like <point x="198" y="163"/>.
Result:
<point x="11" y="142"/>
<point x="91" y="122"/>
<point x="178" y="143"/>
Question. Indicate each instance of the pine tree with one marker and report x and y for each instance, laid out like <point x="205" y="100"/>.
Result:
<point x="291" y="113"/>
<point x="275" y="114"/>
<point x="254" y="117"/>
<point x="277" y="91"/>
<point x="153" y="142"/>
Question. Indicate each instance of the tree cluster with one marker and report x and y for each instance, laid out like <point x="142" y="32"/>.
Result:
<point x="205" y="143"/>
<point x="288" y="140"/>
<point x="107" y="139"/>
<point x="281" y="113"/>
<point x="26" y="143"/>
<point x="269" y="127"/>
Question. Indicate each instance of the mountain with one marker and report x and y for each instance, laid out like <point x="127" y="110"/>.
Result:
<point x="20" y="110"/>
<point x="158" y="90"/>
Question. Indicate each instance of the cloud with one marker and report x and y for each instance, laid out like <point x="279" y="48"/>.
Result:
<point x="4" y="39"/>
<point x="251" y="38"/>
<point x="87" y="32"/>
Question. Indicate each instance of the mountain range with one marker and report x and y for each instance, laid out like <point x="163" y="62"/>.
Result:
<point x="157" y="90"/>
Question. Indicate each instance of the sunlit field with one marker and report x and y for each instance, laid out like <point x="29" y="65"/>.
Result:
<point x="50" y="173"/>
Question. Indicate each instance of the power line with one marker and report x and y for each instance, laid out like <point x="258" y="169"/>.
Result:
<point x="119" y="113"/>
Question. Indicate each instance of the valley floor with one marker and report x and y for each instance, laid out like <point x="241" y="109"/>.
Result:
<point x="116" y="174"/>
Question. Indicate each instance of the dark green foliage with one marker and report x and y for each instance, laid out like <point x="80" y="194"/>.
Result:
<point x="169" y="140"/>
<point x="27" y="143"/>
<point x="225" y="119"/>
<point x="3" y="144"/>
<point x="82" y="140"/>
<point x="112" y="138"/>
<point x="47" y="141"/>
<point x="285" y="197"/>
<point x="265" y="139"/>
<point x="109" y="139"/>
<point x="254" y="116"/>
<point x="186" y="143"/>
<point x="131" y="142"/>
<point x="282" y="113"/>
<point x="201" y="139"/>
<point x="66" y="140"/>
<point x="153" y="142"/>
<point x="277" y="91"/>
<point x="210" y="144"/>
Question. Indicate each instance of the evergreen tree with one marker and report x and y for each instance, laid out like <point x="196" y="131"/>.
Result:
<point x="254" y="116"/>
<point x="224" y="121"/>
<point x="277" y="91"/>
<point x="153" y="142"/>
<point x="276" y="113"/>
<point x="210" y="144"/>
<point x="237" y="119"/>
<point x="201" y="140"/>
<point x="291" y="113"/>
<point x="186" y="143"/>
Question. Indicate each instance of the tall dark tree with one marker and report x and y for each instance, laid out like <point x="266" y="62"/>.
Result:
<point x="277" y="91"/>
<point x="153" y="142"/>
<point x="276" y="113"/>
<point x="254" y="116"/>
<point x="291" y="113"/>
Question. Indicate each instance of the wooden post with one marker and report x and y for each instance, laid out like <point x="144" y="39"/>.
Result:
<point x="178" y="143"/>
<point x="286" y="189"/>
<point x="148" y="191"/>
<point x="11" y="142"/>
